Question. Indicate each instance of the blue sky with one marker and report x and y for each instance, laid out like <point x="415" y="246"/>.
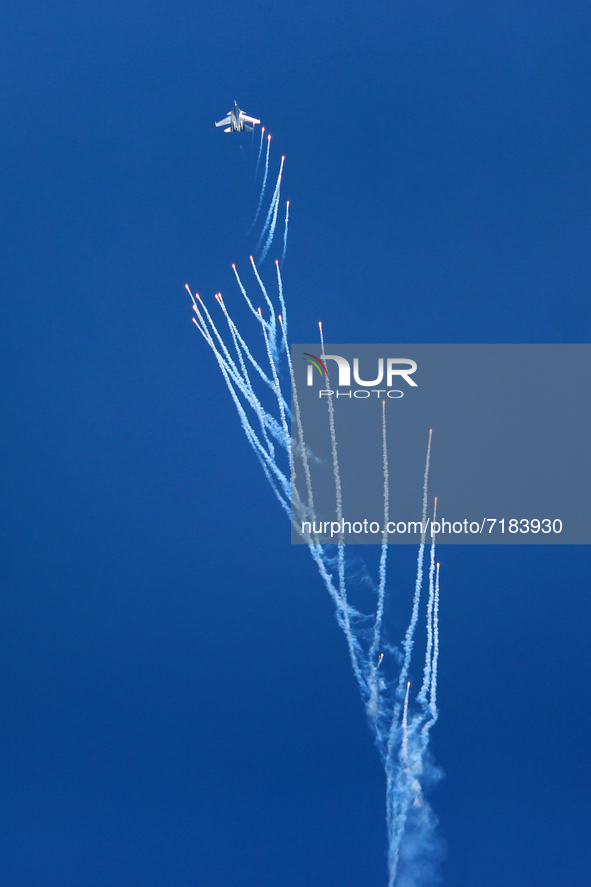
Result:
<point x="177" y="705"/>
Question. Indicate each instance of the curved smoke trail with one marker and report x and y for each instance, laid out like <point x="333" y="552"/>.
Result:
<point x="271" y="220"/>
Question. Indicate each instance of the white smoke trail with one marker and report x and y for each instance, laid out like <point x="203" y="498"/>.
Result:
<point x="231" y="373"/>
<point x="422" y="697"/>
<point x="232" y="370"/>
<point x="433" y="689"/>
<point x="372" y="704"/>
<point x="408" y="640"/>
<point x="282" y="303"/>
<point x="268" y="464"/>
<point x="404" y="747"/>
<point x="302" y="511"/>
<point x="277" y="389"/>
<point x="264" y="185"/>
<point x="229" y="364"/>
<point x="272" y="227"/>
<point x="341" y="547"/>
<point x="251" y="395"/>
<point x="245" y="347"/>
<point x="271" y="220"/>
<point x="285" y="233"/>
<point x="405" y="769"/>
<point x="314" y="547"/>
<point x="299" y="426"/>
<point x="256" y="172"/>
<point x="269" y="326"/>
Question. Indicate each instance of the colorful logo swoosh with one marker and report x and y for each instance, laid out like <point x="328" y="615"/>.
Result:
<point x="315" y="361"/>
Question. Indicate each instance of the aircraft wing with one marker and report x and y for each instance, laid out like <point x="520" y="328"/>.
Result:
<point x="225" y="121"/>
<point x="250" y="119"/>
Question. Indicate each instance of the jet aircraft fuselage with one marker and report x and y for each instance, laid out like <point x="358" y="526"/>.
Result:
<point x="237" y="121"/>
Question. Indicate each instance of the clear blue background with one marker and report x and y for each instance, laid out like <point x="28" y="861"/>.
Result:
<point x="176" y="705"/>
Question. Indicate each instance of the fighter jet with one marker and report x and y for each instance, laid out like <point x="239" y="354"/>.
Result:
<point x="238" y="120"/>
